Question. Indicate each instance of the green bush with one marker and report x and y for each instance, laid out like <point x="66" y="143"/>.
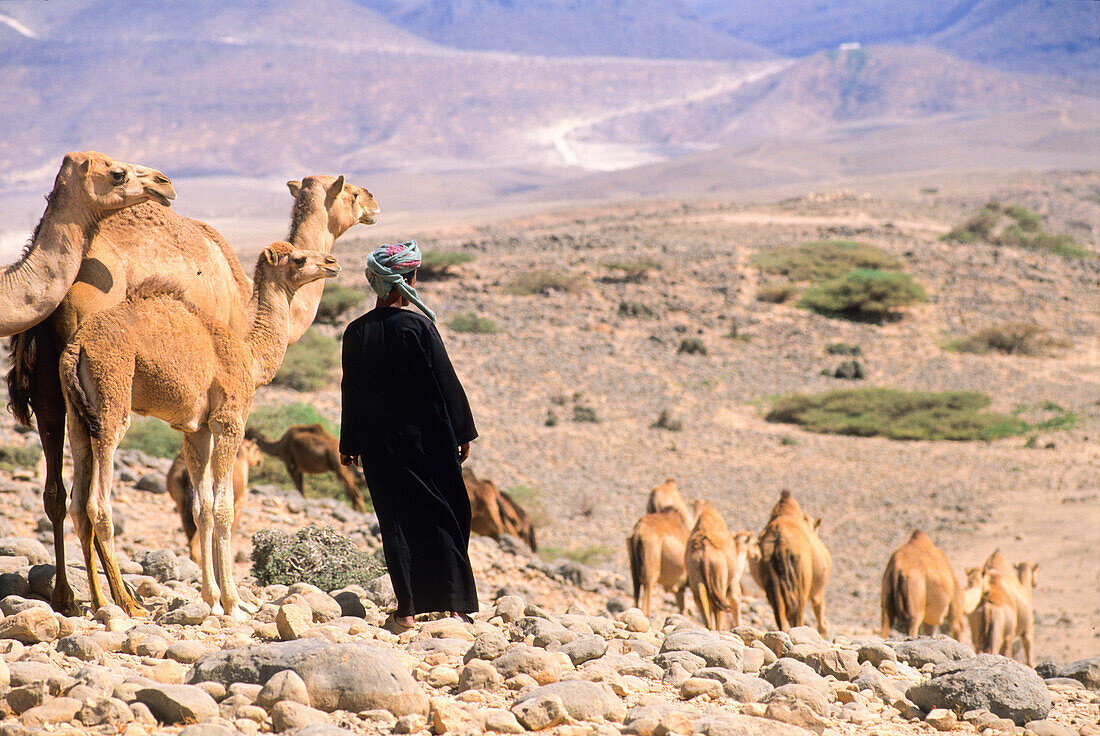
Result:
<point x="315" y="555"/>
<point x="595" y="554"/>
<point x="336" y="300"/>
<point x="839" y="348"/>
<point x="19" y="456"/>
<point x="1014" y="226"/>
<point x="470" y="322"/>
<point x="634" y="270"/>
<point x="1025" y="218"/>
<point x="585" y="414"/>
<point x="776" y="292"/>
<point x="637" y="310"/>
<point x="863" y="294"/>
<point x="692" y="346"/>
<point x="978" y="227"/>
<point x="153" y="437"/>
<point x="309" y="363"/>
<point x="437" y="264"/>
<point x="905" y="415"/>
<point x="1010" y="338"/>
<point x="274" y="419"/>
<point x="530" y="283"/>
<point x="824" y="260"/>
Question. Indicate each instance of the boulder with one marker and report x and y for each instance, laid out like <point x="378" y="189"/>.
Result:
<point x="585" y="648"/>
<point x="285" y="685"/>
<point x="31" y="626"/>
<point x="35" y="552"/>
<point x="538" y="713"/>
<point x="487" y="645"/>
<point x="1085" y="671"/>
<point x="543" y="666"/>
<point x="787" y="671"/>
<point x="843" y="664"/>
<point x="715" y="650"/>
<point x="743" y="725"/>
<point x="990" y="682"/>
<point x="478" y="674"/>
<point x="741" y="687"/>
<point x="918" y="651"/>
<point x="177" y="703"/>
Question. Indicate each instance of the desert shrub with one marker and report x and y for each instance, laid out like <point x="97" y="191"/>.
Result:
<point x="19" y="456"/>
<point x="585" y="414"/>
<point x="1062" y="245"/>
<point x="666" y="421"/>
<point x="470" y="322"/>
<point x="594" y="554"/>
<point x="633" y="270"/>
<point x="978" y="227"/>
<point x="153" y="437"/>
<point x="1010" y="338"/>
<point x="638" y="310"/>
<point x="315" y="555"/>
<point x="309" y="363"/>
<point x="776" y="292"/>
<point x="824" y="260"/>
<point x="337" y="299"/>
<point x="437" y="264"/>
<point x="900" y="415"/>
<point x="1025" y="218"/>
<point x="692" y="346"/>
<point x="839" y="348"/>
<point x="863" y="294"/>
<point x="530" y="283"/>
<point x="1014" y="226"/>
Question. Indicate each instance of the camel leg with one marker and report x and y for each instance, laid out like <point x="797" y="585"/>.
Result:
<point x="1025" y="637"/>
<point x="196" y="453"/>
<point x="681" y="599"/>
<point x="81" y="447"/>
<point x="818" y="602"/>
<point x="296" y="476"/>
<point x="222" y="458"/>
<point x="352" y="490"/>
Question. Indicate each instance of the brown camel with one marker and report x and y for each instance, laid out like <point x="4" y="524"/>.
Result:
<point x="309" y="448"/>
<point x="656" y="549"/>
<point x="667" y="496"/>
<point x="920" y="591"/>
<point x="493" y="512"/>
<point x="88" y="188"/>
<point x="794" y="565"/>
<point x="158" y="355"/>
<point x="707" y="564"/>
<point x="994" y="620"/>
<point x="1016" y="582"/>
<point x="183" y="492"/>
<point x="143" y="242"/>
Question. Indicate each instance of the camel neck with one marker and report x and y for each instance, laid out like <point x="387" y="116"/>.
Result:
<point x="266" y="446"/>
<point x="309" y="230"/>
<point x="269" y="336"/>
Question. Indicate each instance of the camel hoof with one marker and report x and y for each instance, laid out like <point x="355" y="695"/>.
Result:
<point x="136" y="611"/>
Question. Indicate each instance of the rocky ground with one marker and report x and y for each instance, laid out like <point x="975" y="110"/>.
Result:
<point x="562" y="620"/>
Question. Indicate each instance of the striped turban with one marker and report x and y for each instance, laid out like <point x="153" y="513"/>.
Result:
<point x="386" y="267"/>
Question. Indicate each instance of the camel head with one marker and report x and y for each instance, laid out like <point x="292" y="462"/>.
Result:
<point x="292" y="267"/>
<point x="1028" y="574"/>
<point x="977" y="582"/>
<point x="250" y="452"/>
<point x="346" y="204"/>
<point x="106" y="185"/>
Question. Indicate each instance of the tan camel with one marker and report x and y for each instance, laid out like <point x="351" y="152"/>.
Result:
<point x="309" y="448"/>
<point x="493" y="512"/>
<point x="920" y="591"/>
<point x="667" y="496"/>
<point x="132" y="246"/>
<point x="794" y="565"/>
<point x="158" y="355"/>
<point x="183" y="492"/>
<point x="976" y="584"/>
<point x="656" y="548"/>
<point x="994" y="620"/>
<point x="708" y="563"/>
<point x="88" y="188"/>
<point x="1017" y="583"/>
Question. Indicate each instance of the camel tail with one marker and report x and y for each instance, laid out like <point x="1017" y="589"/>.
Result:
<point x="904" y="600"/>
<point x="715" y="588"/>
<point x="889" y="611"/>
<point x="23" y="349"/>
<point x="78" y="397"/>
<point x="786" y="582"/>
<point x="634" y="553"/>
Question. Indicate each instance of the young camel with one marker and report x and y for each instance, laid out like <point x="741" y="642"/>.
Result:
<point x="158" y="355"/>
<point x="711" y="562"/>
<point x="182" y="491"/>
<point x="1016" y="582"/>
<point x="493" y="512"/>
<point x="667" y="496"/>
<point x="920" y="591"/>
<point x="143" y="242"/>
<point x="309" y="448"/>
<point x="656" y="548"/>
<point x="794" y="565"/>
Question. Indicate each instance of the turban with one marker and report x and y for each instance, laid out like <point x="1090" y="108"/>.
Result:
<point x="386" y="267"/>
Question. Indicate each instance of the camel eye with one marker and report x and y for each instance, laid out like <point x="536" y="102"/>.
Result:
<point x="299" y="260"/>
<point x="118" y="176"/>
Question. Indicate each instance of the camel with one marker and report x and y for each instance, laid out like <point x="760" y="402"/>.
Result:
<point x="1016" y="583"/>
<point x="794" y="565"/>
<point x="158" y="355"/>
<point x="89" y="188"/>
<point x="994" y="620"/>
<point x="309" y="448"/>
<point x="976" y="584"/>
<point x="920" y="591"/>
<point x="183" y="492"/>
<point x="656" y="548"/>
<point x="710" y="562"/>
<point x="667" y="496"/>
<point x="145" y="241"/>
<point x="493" y="512"/>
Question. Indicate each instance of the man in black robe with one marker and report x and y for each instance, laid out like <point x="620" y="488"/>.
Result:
<point x="405" y="415"/>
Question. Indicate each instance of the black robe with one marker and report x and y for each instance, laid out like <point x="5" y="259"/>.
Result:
<point x="404" y="414"/>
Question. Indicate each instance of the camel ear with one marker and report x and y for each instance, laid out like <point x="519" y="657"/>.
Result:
<point x="294" y="186"/>
<point x="817" y="523"/>
<point x="84" y="167"/>
<point x="270" y="255"/>
<point x="334" y="190"/>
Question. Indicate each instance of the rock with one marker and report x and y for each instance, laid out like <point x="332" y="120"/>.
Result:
<point x="753" y="659"/>
<point x="380" y="592"/>
<point x="543" y="632"/>
<point x="687" y="660"/>
<point x="715" y="651"/>
<point x="161" y="565"/>
<point x="745" y="725"/>
<point x="80" y="647"/>
<point x="806" y="635"/>
<point x="1000" y="685"/>
<point x="293" y="619"/>
<point x="322" y="606"/>
<point x="14" y="604"/>
<point x="209" y="729"/>
<point x="501" y="721"/>
<point x="28" y="671"/>
<point x="635" y="620"/>
<point x="442" y="677"/>
<point x="1046" y="728"/>
<point x="350" y="676"/>
<point x="350" y="604"/>
<point x="875" y="653"/>
<point x="1085" y="671"/>
<point x="540" y="713"/>
<point x="13" y="583"/>
<point x="797" y="705"/>
<point x="189" y="614"/>
<point x="843" y="664"/>
<point x="177" y="703"/>
<point x="510" y="608"/>
<point x="35" y="552"/>
<point x="285" y="685"/>
<point x="693" y="687"/>
<point x="582" y="700"/>
<point x="105" y="711"/>
<point x="778" y="642"/>
<point x="543" y="666"/>
<point x="941" y="719"/>
<point x="290" y="715"/>
<point x="186" y="651"/>
<point x="448" y="716"/>
<point x="488" y="645"/>
<point x="30" y="626"/>
<point x="788" y="671"/>
<point x="741" y="687"/>
<point x="450" y="647"/>
<point x="918" y="651"/>
<point x="585" y="648"/>
<point x="411" y="723"/>
<point x="54" y="710"/>
<point x="478" y="674"/>
<point x="25" y="697"/>
<point x="153" y="482"/>
<point x="869" y="678"/>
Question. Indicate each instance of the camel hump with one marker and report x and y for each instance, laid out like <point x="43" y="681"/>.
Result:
<point x="785" y="494"/>
<point x="156" y="286"/>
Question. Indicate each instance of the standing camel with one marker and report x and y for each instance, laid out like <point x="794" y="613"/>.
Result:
<point x="140" y="243"/>
<point x="1013" y="584"/>
<point x="655" y="549"/>
<point x="794" y="565"/>
<point x="158" y="355"/>
<point x="309" y="448"/>
<point x="920" y="591"/>
<point x="714" y="562"/>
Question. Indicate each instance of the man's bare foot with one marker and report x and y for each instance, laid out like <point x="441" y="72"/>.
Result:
<point x="464" y="617"/>
<point x="398" y="624"/>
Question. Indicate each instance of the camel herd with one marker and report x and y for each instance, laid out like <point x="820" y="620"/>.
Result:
<point x="679" y="550"/>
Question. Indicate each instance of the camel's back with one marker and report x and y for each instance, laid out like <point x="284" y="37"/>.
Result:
<point x="786" y="534"/>
<point x="710" y="528"/>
